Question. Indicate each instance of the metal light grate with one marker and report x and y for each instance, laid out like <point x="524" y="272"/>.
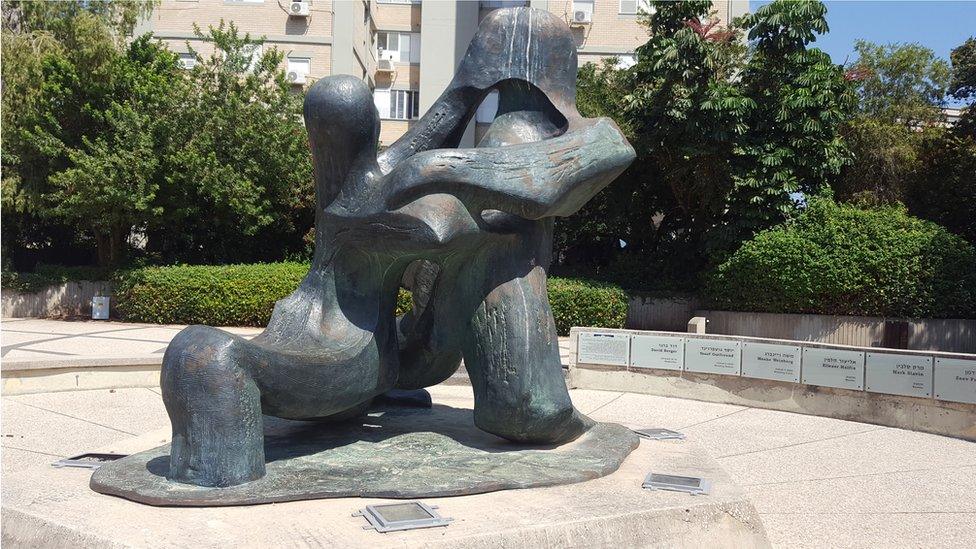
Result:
<point x="87" y="461"/>
<point x="691" y="485"/>
<point x="660" y="434"/>
<point x="401" y="516"/>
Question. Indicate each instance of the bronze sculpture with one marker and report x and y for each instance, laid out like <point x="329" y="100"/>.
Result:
<point x="470" y="228"/>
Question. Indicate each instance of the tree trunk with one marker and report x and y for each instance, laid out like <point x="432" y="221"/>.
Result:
<point x="109" y="246"/>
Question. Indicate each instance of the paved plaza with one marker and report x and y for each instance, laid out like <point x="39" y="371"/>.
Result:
<point x="816" y="482"/>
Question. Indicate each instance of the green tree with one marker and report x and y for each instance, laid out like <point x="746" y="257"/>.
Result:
<point x="901" y="88"/>
<point x="237" y="184"/>
<point x="963" y="84"/>
<point x="61" y="75"/>
<point x="900" y="83"/>
<point x="726" y="136"/>
<point x="943" y="189"/>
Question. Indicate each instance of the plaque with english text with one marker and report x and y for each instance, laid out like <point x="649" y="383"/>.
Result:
<point x="713" y="356"/>
<point x="662" y="352"/>
<point x="833" y="368"/>
<point x="955" y="379"/>
<point x="771" y="361"/>
<point x="898" y="374"/>
<point x="603" y="348"/>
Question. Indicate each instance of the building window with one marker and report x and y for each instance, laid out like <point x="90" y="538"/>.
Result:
<point x="399" y="47"/>
<point x="187" y="60"/>
<point x="496" y="4"/>
<point x="633" y="7"/>
<point x="253" y="53"/>
<point x="397" y="104"/>
<point x="626" y="61"/>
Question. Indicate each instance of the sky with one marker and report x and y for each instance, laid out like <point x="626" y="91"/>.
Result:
<point x="936" y="24"/>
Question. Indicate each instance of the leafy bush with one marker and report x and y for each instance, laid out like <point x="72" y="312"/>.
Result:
<point x="580" y="302"/>
<point x="232" y="295"/>
<point x="244" y="295"/>
<point x="48" y="275"/>
<point x="845" y="260"/>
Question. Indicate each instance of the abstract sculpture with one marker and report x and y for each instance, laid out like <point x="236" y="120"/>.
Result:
<point x="468" y="231"/>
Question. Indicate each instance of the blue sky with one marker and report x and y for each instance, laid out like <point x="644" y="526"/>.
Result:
<point x="936" y="24"/>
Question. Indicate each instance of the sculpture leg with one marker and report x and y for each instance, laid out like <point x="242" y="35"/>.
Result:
<point x="215" y="409"/>
<point x="512" y="357"/>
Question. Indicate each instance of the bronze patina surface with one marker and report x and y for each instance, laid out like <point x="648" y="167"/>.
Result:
<point x="468" y="231"/>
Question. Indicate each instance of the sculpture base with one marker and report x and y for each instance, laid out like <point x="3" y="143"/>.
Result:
<point x="392" y="452"/>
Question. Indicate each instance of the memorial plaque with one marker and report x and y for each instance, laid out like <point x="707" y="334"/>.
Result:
<point x="833" y="368"/>
<point x="676" y="483"/>
<point x="665" y="353"/>
<point x="603" y="348"/>
<point x="955" y="379"/>
<point x="713" y="356"/>
<point x="659" y="434"/>
<point x="771" y="361"/>
<point x="898" y="374"/>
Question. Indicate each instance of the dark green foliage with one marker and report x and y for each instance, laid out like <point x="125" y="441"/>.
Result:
<point x="232" y="295"/>
<point x="579" y="302"/>
<point x="900" y="83"/>
<point x="244" y="295"/>
<point x="47" y="275"/>
<point x="844" y="260"/>
<point x="105" y="137"/>
<point x="944" y="187"/>
<point x="725" y="136"/>
<point x="963" y="85"/>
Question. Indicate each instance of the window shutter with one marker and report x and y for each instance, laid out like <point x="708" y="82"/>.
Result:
<point x="381" y="98"/>
<point x="415" y="47"/>
<point x="404" y="47"/>
<point x="628" y="6"/>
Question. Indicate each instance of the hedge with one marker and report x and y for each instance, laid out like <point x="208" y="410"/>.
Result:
<point x="49" y="275"/>
<point x="841" y="259"/>
<point x="244" y="295"/>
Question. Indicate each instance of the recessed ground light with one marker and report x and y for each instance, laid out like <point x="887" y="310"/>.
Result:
<point x="691" y="485"/>
<point x="659" y="434"/>
<point x="401" y="516"/>
<point x="88" y="461"/>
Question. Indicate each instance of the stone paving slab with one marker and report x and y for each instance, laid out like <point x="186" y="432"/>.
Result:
<point x="815" y="482"/>
<point x="37" y="339"/>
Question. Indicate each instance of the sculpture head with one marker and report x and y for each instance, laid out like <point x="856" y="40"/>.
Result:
<point x="343" y="130"/>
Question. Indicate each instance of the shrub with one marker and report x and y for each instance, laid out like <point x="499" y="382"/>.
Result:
<point x="845" y="260"/>
<point x="580" y="302"/>
<point x="244" y="295"/>
<point x="48" y="275"/>
<point x="232" y="295"/>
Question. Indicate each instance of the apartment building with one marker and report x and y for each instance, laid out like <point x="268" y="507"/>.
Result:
<point x="406" y="50"/>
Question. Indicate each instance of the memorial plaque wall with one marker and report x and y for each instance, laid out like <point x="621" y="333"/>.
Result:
<point x="898" y="374"/>
<point x="833" y="368"/>
<point x="666" y="353"/>
<point x="603" y="348"/>
<point x="771" y="361"/>
<point x="713" y="356"/>
<point x="955" y="379"/>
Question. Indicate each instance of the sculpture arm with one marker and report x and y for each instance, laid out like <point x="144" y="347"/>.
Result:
<point x="554" y="177"/>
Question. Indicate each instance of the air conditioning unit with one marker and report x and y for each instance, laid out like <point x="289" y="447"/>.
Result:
<point x="295" y="77"/>
<point x="299" y="9"/>
<point x="384" y="65"/>
<point x="581" y="17"/>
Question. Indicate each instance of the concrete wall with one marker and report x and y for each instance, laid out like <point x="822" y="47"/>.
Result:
<point x="949" y="335"/>
<point x="660" y="313"/>
<point x="932" y="415"/>
<point x="69" y="299"/>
